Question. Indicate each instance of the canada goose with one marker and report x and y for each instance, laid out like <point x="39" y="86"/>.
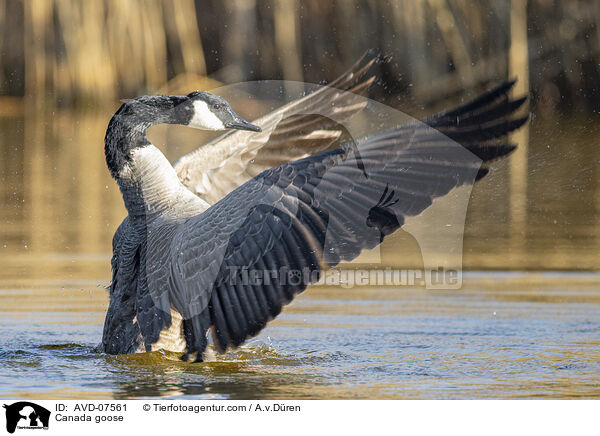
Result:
<point x="191" y="226"/>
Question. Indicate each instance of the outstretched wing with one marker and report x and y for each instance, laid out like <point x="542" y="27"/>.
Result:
<point x="300" y="128"/>
<point x="297" y="218"/>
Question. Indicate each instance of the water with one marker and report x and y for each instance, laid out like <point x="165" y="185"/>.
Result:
<point x="510" y="332"/>
<point x="493" y="339"/>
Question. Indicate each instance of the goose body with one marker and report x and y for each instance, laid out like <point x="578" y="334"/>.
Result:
<point x="192" y="226"/>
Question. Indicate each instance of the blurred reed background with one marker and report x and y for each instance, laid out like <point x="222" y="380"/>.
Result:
<point x="73" y="51"/>
<point x="64" y="65"/>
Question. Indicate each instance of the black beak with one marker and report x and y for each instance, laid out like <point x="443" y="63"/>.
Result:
<point x="241" y="124"/>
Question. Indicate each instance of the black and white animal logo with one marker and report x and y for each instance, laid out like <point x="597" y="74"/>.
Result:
<point x="26" y="415"/>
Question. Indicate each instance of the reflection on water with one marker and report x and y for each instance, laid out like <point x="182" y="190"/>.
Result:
<point x="57" y="198"/>
<point x="505" y="334"/>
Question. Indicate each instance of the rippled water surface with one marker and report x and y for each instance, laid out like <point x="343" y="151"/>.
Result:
<point x="502" y="336"/>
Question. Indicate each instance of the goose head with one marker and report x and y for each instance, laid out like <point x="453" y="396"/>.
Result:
<point x="200" y="110"/>
<point x="126" y="131"/>
<point x="211" y="112"/>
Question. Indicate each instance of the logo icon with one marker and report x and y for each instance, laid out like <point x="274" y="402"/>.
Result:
<point x="26" y="415"/>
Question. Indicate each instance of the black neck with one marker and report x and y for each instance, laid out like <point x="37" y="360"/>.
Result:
<point x="123" y="135"/>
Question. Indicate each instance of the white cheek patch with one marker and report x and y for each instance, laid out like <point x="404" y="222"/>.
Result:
<point x="204" y="118"/>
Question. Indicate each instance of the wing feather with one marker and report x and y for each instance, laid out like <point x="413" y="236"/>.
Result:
<point x="328" y="207"/>
<point x="302" y="127"/>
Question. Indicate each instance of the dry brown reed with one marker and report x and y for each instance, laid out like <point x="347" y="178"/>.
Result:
<point x="71" y="51"/>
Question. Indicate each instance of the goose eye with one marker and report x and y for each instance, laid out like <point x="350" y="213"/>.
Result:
<point x="216" y="106"/>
